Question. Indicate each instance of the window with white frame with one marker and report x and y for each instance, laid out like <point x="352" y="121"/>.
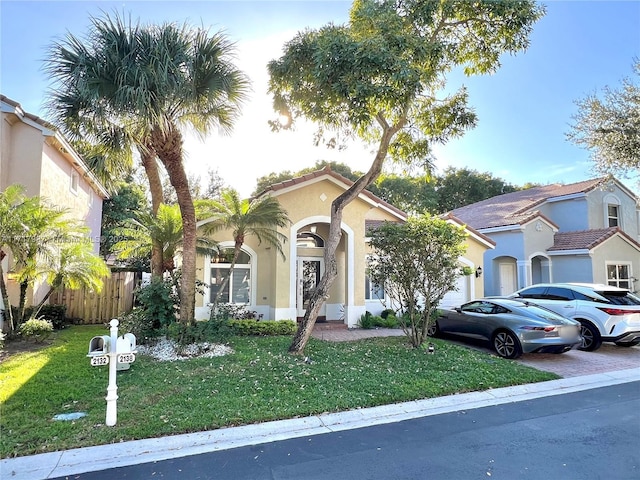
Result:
<point x="619" y="275"/>
<point x="613" y="215"/>
<point x="74" y="182"/>
<point x="372" y="291"/>
<point x="236" y="289"/>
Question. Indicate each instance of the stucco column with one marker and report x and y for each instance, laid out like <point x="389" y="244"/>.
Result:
<point x="524" y="273"/>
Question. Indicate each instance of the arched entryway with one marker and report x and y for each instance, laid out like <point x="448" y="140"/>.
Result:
<point x="308" y="251"/>
<point x="540" y="269"/>
<point x="506" y="278"/>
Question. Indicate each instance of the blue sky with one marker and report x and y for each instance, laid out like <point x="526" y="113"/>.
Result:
<point x="524" y="109"/>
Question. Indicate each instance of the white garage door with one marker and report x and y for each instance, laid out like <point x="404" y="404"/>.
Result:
<point x="457" y="297"/>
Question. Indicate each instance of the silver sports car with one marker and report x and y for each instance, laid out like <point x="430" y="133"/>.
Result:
<point x="512" y="326"/>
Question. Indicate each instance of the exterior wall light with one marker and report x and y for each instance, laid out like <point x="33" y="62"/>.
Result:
<point x="478" y="272"/>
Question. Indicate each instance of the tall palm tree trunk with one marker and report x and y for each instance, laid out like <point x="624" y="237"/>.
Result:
<point x="321" y="293"/>
<point x="148" y="159"/>
<point x="22" y="303"/>
<point x="168" y="144"/>
<point x="8" y="314"/>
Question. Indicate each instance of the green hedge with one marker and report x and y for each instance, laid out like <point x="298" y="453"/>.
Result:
<point x="263" y="328"/>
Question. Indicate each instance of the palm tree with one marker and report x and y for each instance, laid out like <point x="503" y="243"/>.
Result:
<point x="46" y="229"/>
<point x="15" y="209"/>
<point x="164" y="229"/>
<point x="259" y="217"/>
<point x="151" y="81"/>
<point x="75" y="267"/>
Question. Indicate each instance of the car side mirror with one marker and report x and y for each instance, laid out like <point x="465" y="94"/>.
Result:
<point x="458" y="309"/>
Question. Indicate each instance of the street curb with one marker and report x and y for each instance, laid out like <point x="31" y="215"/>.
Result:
<point x="102" y="457"/>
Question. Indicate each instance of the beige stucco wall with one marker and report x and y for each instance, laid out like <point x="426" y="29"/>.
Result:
<point x="598" y="200"/>
<point x="21" y="155"/>
<point x="475" y="254"/>
<point x="307" y="205"/>
<point x="615" y="251"/>
<point x="537" y="238"/>
<point x="29" y="157"/>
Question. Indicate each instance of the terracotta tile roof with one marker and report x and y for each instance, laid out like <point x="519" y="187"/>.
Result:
<point x="327" y="171"/>
<point x="587" y="239"/>
<point x="517" y="207"/>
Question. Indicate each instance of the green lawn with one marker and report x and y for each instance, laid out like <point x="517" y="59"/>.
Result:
<point x="259" y="382"/>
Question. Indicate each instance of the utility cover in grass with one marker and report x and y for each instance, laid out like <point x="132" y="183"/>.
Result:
<point x="70" y="416"/>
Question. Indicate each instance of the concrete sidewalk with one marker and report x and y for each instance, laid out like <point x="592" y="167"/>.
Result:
<point x="82" y="460"/>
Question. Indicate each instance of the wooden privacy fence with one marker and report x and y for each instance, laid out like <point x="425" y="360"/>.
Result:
<point x="89" y="307"/>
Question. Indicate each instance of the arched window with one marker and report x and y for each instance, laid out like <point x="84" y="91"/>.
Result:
<point x="612" y="211"/>
<point x="309" y="239"/>
<point x="237" y="288"/>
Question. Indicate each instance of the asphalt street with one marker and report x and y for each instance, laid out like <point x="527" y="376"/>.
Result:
<point x="590" y="434"/>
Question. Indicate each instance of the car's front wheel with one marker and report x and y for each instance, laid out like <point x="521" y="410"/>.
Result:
<point x="591" y="339"/>
<point x="628" y="344"/>
<point x="506" y="344"/>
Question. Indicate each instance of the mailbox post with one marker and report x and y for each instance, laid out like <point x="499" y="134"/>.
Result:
<point x="112" y="388"/>
<point x="118" y="353"/>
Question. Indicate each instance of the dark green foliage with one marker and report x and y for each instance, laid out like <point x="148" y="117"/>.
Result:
<point x="206" y="331"/>
<point x="460" y="187"/>
<point x="386" y="312"/>
<point x="138" y="322"/>
<point x="159" y="301"/>
<point x="268" y="328"/>
<point x="56" y="314"/>
<point x="366" y="320"/>
<point x="116" y="212"/>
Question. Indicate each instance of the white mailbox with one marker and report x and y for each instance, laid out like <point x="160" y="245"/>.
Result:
<point x="118" y="353"/>
<point x="125" y="350"/>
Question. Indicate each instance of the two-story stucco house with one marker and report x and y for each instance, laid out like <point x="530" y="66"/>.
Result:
<point x="278" y="289"/>
<point x="582" y="232"/>
<point x="34" y="154"/>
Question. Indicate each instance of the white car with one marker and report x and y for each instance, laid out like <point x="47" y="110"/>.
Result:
<point x="606" y="313"/>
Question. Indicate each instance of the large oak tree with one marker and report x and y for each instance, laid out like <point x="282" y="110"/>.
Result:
<point x="378" y="78"/>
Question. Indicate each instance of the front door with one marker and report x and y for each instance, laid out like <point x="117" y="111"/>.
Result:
<point x="308" y="274"/>
<point x="507" y="278"/>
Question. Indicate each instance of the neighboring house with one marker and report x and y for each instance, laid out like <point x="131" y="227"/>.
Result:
<point x="34" y="154"/>
<point x="583" y="232"/>
<point x="278" y="289"/>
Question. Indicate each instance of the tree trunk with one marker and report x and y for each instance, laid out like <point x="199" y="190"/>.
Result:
<point x="8" y="314"/>
<point x="321" y="292"/>
<point x="42" y="302"/>
<point x="22" y="303"/>
<point x="148" y="158"/>
<point x="168" y="145"/>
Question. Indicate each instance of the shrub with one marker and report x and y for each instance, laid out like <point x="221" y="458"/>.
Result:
<point x="389" y="322"/>
<point x="366" y="320"/>
<point x="268" y="328"/>
<point x="56" y="314"/>
<point x="139" y="323"/>
<point x="36" y="329"/>
<point x="387" y="312"/>
<point x="159" y="302"/>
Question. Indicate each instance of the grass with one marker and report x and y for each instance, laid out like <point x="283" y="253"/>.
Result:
<point x="259" y="382"/>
